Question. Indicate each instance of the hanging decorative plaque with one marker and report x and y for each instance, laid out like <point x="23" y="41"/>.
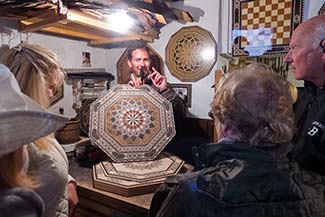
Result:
<point x="123" y="70"/>
<point x="191" y="53"/>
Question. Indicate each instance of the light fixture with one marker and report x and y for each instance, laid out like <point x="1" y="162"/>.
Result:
<point x="120" y="21"/>
<point x="208" y="53"/>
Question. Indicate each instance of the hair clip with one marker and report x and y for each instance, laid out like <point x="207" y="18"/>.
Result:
<point x="18" y="48"/>
<point x="322" y="45"/>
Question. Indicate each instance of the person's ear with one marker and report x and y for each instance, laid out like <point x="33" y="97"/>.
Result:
<point x="322" y="45"/>
<point x="129" y="63"/>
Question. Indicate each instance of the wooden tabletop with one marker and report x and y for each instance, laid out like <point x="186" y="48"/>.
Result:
<point x="104" y="201"/>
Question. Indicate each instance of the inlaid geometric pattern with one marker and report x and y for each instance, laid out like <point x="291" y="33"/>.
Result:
<point x="264" y="27"/>
<point x="131" y="124"/>
<point x="135" y="177"/>
<point x="191" y="53"/>
<point x="84" y="114"/>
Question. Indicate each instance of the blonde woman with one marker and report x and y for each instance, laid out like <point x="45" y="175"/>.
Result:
<point x="38" y="73"/>
<point x="17" y="114"/>
<point x="247" y="172"/>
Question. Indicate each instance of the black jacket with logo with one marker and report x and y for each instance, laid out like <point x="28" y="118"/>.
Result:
<point x="309" y="141"/>
<point x="241" y="181"/>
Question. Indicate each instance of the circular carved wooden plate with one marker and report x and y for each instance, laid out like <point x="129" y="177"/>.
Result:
<point x="191" y="53"/>
<point x="131" y="124"/>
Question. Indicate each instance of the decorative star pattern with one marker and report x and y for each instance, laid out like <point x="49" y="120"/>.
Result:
<point x="131" y="125"/>
<point x="132" y="120"/>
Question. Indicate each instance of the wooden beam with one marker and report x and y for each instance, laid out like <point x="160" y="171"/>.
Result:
<point x="122" y="39"/>
<point x="72" y="33"/>
<point x="183" y="15"/>
<point x="161" y="19"/>
<point x="86" y="20"/>
<point x="43" y="23"/>
<point x="40" y="17"/>
<point x="163" y="8"/>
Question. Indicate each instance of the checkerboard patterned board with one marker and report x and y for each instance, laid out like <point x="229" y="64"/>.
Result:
<point x="322" y="9"/>
<point x="264" y="27"/>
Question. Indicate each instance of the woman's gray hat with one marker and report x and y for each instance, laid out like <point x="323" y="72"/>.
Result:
<point x="22" y="120"/>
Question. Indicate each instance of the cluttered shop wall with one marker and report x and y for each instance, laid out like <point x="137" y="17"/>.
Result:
<point x="205" y="12"/>
<point x="309" y="9"/>
<point x="215" y="17"/>
<point x="211" y="15"/>
<point x="70" y="53"/>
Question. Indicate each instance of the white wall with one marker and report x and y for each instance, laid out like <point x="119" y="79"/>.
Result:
<point x="69" y="52"/>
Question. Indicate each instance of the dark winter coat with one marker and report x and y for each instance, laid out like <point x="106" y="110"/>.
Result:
<point x="20" y="202"/>
<point x="309" y="141"/>
<point x="241" y="181"/>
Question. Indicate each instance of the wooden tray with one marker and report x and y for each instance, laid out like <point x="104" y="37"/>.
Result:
<point x="135" y="178"/>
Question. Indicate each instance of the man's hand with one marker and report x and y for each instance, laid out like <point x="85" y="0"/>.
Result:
<point x="158" y="80"/>
<point x="135" y="81"/>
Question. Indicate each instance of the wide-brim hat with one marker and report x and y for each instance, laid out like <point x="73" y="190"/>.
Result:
<point x="22" y="120"/>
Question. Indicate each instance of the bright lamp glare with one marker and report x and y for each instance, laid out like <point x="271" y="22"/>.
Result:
<point x="208" y="53"/>
<point x="120" y="21"/>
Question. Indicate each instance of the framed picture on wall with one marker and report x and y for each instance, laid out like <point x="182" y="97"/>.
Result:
<point x="86" y="61"/>
<point x="184" y="91"/>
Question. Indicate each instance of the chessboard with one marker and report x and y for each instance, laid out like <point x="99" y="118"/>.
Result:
<point x="264" y="27"/>
<point x="322" y="9"/>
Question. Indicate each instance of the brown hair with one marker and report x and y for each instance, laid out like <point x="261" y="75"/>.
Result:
<point x="11" y="174"/>
<point x="255" y="103"/>
<point x="135" y="46"/>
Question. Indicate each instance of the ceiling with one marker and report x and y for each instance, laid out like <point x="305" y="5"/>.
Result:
<point x="92" y="20"/>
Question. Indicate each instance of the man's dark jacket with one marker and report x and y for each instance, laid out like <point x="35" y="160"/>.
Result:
<point x="309" y="141"/>
<point x="241" y="181"/>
